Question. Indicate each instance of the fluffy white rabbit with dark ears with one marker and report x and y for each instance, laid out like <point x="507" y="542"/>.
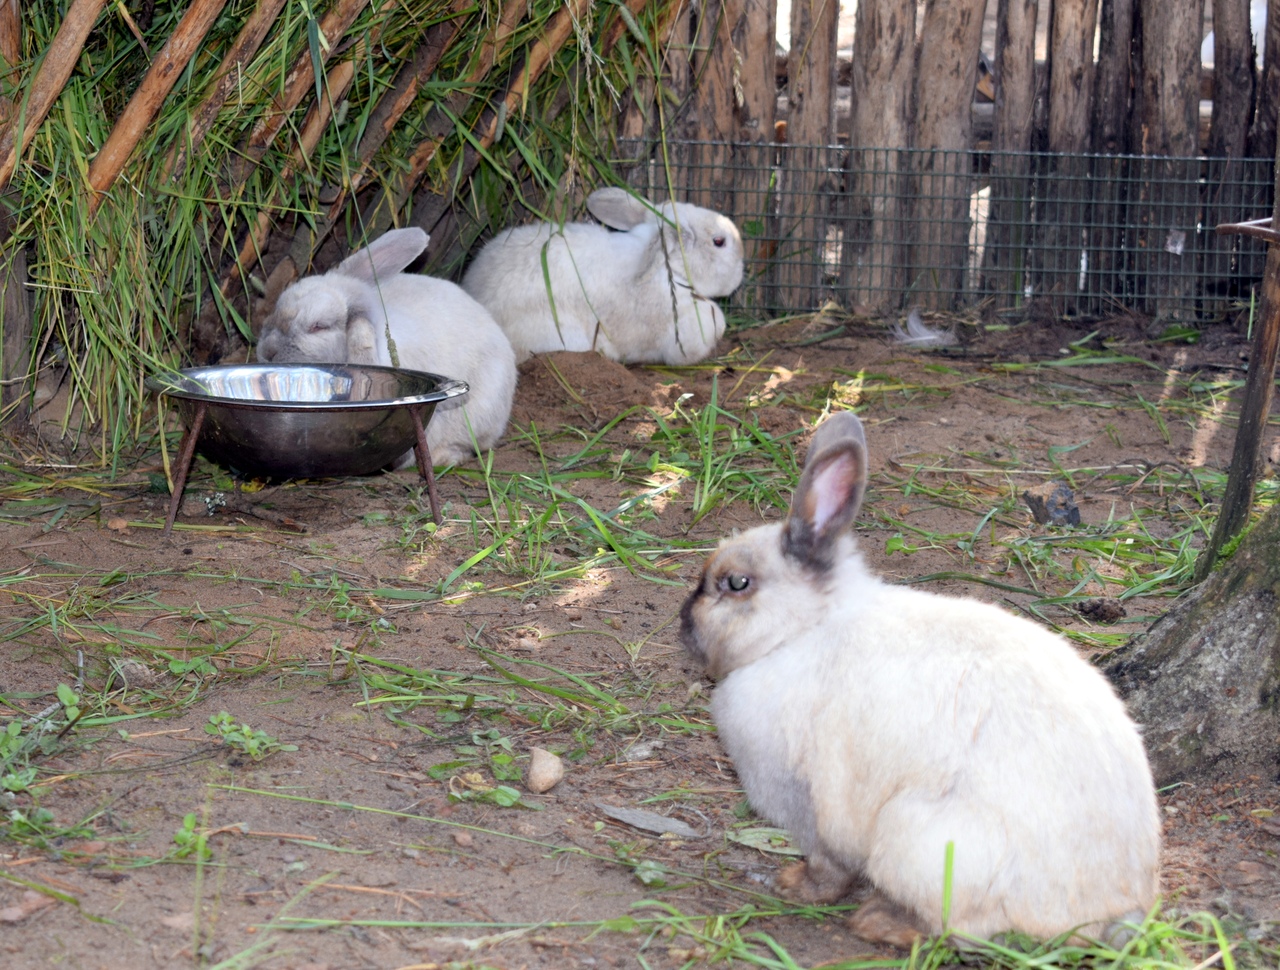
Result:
<point x="639" y="289"/>
<point x="343" y="317"/>
<point x="878" y="723"/>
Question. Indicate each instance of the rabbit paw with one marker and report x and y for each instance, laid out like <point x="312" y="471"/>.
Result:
<point x="880" y="920"/>
<point x="816" y="880"/>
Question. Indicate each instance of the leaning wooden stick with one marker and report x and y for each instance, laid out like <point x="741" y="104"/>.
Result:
<point x="56" y="67"/>
<point x="146" y="101"/>
<point x="241" y="53"/>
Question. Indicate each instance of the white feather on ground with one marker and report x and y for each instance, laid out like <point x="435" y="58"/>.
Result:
<point x="917" y="333"/>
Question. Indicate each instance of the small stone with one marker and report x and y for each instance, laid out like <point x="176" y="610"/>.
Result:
<point x="118" y="525"/>
<point x="545" y="770"/>
<point x="1105" y="610"/>
<point x="1052" y="503"/>
<point x="464" y="840"/>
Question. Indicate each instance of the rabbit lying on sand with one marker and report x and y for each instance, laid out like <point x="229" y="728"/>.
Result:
<point x="877" y="723"/>
<point x="639" y="295"/>
<point x="342" y="317"/>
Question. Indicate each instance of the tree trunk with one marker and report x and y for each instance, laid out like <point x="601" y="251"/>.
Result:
<point x="1170" y="113"/>
<point x="947" y="67"/>
<point x="1113" y="86"/>
<point x="1262" y="135"/>
<point x="1204" y="681"/>
<point x="1233" y="85"/>
<point x="806" y="185"/>
<point x="1009" y="218"/>
<point x="873" y="251"/>
<point x="1065" y="211"/>
<point x="1112" y="135"/>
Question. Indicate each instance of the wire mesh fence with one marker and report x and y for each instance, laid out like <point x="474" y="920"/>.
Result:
<point x="881" y="229"/>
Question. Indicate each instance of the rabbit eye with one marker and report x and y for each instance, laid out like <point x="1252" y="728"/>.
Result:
<point x="719" y="241"/>
<point x="736" y="582"/>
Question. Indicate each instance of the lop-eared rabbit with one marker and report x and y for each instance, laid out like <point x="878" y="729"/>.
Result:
<point x="343" y="317"/>
<point x="639" y="289"/>
<point x="878" y="723"/>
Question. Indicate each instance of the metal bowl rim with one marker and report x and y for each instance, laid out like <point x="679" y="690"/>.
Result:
<point x="447" y="388"/>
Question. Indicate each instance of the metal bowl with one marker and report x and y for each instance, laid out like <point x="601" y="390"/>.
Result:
<point x="305" y="420"/>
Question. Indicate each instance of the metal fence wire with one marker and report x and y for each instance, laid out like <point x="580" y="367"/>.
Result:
<point x="878" y="230"/>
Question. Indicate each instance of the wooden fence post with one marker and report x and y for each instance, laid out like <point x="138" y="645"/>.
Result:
<point x="15" y="316"/>
<point x="1170" y="116"/>
<point x="807" y="179"/>
<point x="872" y="251"/>
<point x="1004" y="253"/>
<point x="947" y="67"/>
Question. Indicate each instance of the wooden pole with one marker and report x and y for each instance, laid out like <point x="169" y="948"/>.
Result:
<point x="298" y="82"/>
<point x="15" y="315"/>
<point x="55" y="68"/>
<point x="146" y="101"/>
<point x="242" y="50"/>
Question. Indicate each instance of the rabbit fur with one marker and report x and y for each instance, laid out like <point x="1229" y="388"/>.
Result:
<point x="614" y="291"/>
<point x="343" y="317"/>
<point x="877" y="723"/>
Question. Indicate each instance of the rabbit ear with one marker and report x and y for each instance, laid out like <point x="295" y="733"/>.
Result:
<point x="619" y="209"/>
<point x="362" y="342"/>
<point x="385" y="256"/>
<point x="830" y="491"/>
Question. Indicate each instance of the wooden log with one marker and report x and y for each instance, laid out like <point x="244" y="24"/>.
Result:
<point x="1071" y="74"/>
<point x="1170" y="110"/>
<point x="1113" y="113"/>
<point x="15" y="315"/>
<point x="1064" y="214"/>
<point x="1112" y="91"/>
<point x="1262" y="133"/>
<point x="808" y="188"/>
<point x="872" y="252"/>
<point x="228" y="77"/>
<point x="1009" y="215"/>
<point x="300" y="79"/>
<point x="10" y="32"/>
<point x="1225" y="202"/>
<point x="382" y="121"/>
<point x="382" y="212"/>
<point x="643" y="117"/>
<point x="1234" y="74"/>
<point x="146" y="101"/>
<point x="55" y="68"/>
<point x="950" y="39"/>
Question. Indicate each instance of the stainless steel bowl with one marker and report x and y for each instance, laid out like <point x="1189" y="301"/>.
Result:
<point x="305" y="420"/>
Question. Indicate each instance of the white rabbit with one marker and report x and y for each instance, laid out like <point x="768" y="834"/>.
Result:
<point x="343" y="316"/>
<point x="641" y="295"/>
<point x="878" y="723"/>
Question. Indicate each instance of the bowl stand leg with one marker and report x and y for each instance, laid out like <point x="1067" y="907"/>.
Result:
<point x="185" y="453"/>
<point x="423" y="454"/>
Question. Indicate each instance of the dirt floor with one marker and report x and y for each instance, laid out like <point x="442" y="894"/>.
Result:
<point x="389" y="835"/>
